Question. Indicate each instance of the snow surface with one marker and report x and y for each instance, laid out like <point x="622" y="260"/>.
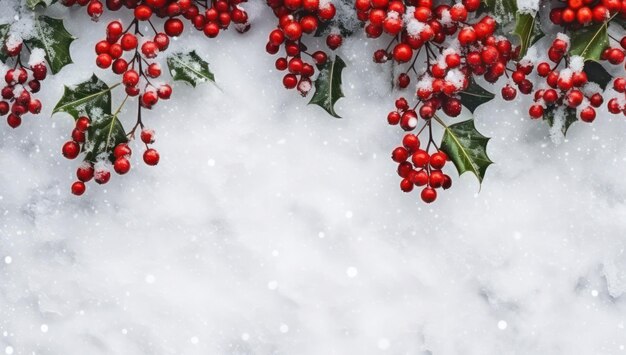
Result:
<point x="270" y="227"/>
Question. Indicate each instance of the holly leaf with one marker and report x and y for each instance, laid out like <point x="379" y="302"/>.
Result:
<point x="597" y="74"/>
<point x="475" y="95"/>
<point x="328" y="85"/>
<point x="32" y="4"/>
<point x="565" y="120"/>
<point x="4" y="32"/>
<point x="528" y="31"/>
<point x="189" y="67"/>
<point x="466" y="148"/>
<point x="590" y="41"/>
<point x="51" y="36"/>
<point x="503" y="10"/>
<point x="91" y="97"/>
<point x="103" y="135"/>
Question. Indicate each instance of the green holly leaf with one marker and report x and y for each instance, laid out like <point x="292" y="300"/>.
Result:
<point x="466" y="148"/>
<point x="597" y="74"/>
<point x="528" y="31"/>
<point x="328" y="85"/>
<point x="32" y="4"/>
<point x="589" y="42"/>
<point x="475" y="95"/>
<point x="91" y="97"/>
<point x="51" y="36"/>
<point x="4" y="32"/>
<point x="503" y="10"/>
<point x="103" y="135"/>
<point x="569" y="117"/>
<point x="189" y="67"/>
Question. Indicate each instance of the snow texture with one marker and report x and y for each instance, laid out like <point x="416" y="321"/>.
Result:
<point x="270" y="228"/>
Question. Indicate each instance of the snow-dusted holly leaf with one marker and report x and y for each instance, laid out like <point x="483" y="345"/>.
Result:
<point x="189" y="67"/>
<point x="91" y="97"/>
<point x="51" y="36"/>
<point x="102" y="136"/>
<point x="565" y="120"/>
<point x="597" y="74"/>
<point x="4" y="32"/>
<point x="475" y="95"/>
<point x="328" y="85"/>
<point x="32" y="4"/>
<point x="503" y="10"/>
<point x="466" y="148"/>
<point x="589" y="42"/>
<point x="528" y="31"/>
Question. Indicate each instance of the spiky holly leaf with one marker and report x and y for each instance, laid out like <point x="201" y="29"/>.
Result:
<point x="51" y="36"/>
<point x="4" y="32"/>
<point x="189" y="67"/>
<point x="103" y="135"/>
<point x="328" y="85"/>
<point x="503" y="10"/>
<point x="562" y="117"/>
<point x="528" y="31"/>
<point x="91" y="97"/>
<point x="597" y="74"/>
<point x="475" y="95"/>
<point x="32" y="4"/>
<point x="467" y="148"/>
<point x="589" y="42"/>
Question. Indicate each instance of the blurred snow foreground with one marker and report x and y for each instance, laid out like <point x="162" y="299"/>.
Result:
<point x="270" y="228"/>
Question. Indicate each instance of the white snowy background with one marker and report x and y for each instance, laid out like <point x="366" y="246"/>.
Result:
<point x="269" y="227"/>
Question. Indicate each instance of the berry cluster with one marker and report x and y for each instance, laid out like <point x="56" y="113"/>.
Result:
<point x="578" y="13"/>
<point x="98" y="168"/>
<point x="110" y="55"/>
<point x="295" y="19"/>
<point x="454" y="47"/>
<point x="424" y="169"/>
<point x="208" y="16"/>
<point x="566" y="89"/>
<point x="21" y="82"/>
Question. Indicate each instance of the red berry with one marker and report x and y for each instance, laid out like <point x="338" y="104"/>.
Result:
<point x="78" y="188"/>
<point x="173" y="27"/>
<point x="535" y="111"/>
<point x="151" y="157"/>
<point x="438" y="160"/>
<point x="420" y="158"/>
<point x="290" y="81"/>
<point x="130" y="78"/>
<point x="411" y="142"/>
<point x="14" y="120"/>
<point x="104" y="60"/>
<point x="85" y="172"/>
<point x="128" y="42"/>
<point x="588" y="114"/>
<point x="164" y="91"/>
<point x="147" y="136"/>
<point x="82" y="124"/>
<point x="399" y="155"/>
<point x="333" y="41"/>
<point x="121" y="165"/>
<point x="402" y="53"/>
<point x="102" y="176"/>
<point x="143" y="12"/>
<point x="429" y="194"/>
<point x="114" y="29"/>
<point x="71" y="150"/>
<point x="508" y="92"/>
<point x="149" y="49"/>
<point x="293" y="31"/>
<point x="406" y="185"/>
